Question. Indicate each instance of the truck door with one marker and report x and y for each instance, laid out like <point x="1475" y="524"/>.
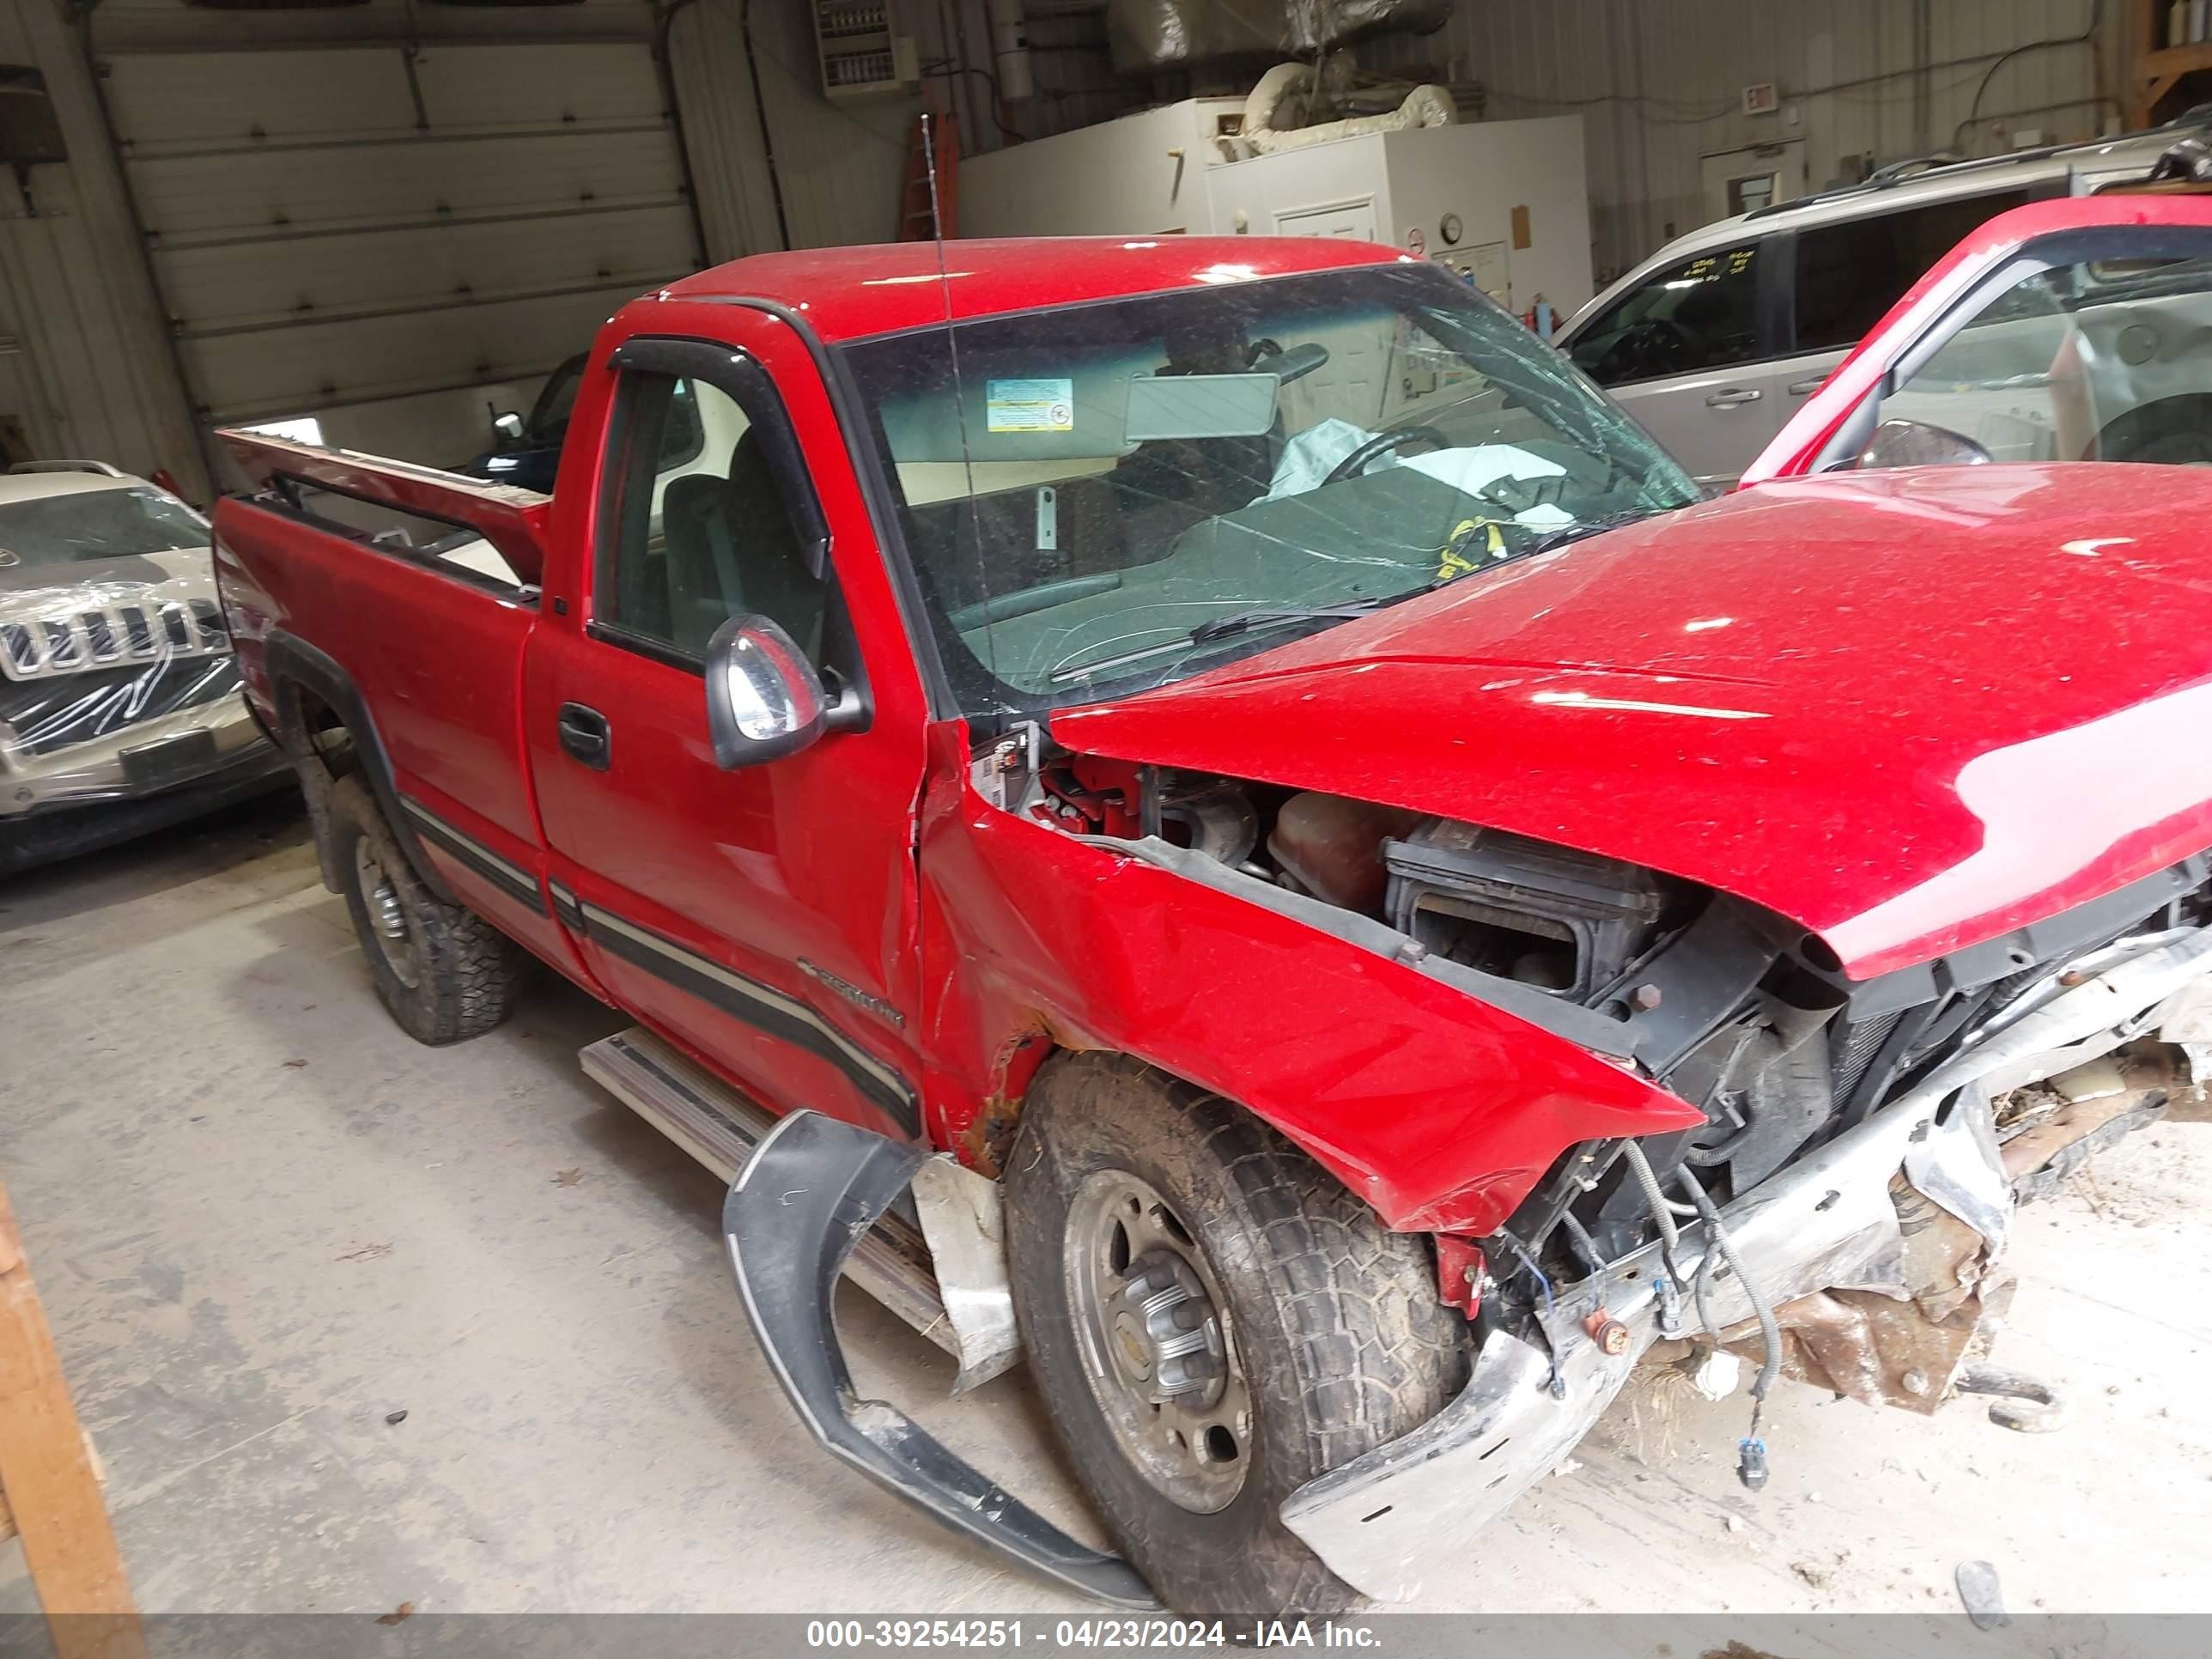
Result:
<point x="763" y="918"/>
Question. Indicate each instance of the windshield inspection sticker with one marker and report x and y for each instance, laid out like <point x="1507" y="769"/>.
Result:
<point x="1031" y="406"/>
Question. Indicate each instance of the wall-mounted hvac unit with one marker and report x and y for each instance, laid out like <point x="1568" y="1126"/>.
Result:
<point x="861" y="50"/>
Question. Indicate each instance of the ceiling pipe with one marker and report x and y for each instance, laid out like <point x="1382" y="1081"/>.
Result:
<point x="664" y="21"/>
<point x="760" y="115"/>
<point x="1010" y="49"/>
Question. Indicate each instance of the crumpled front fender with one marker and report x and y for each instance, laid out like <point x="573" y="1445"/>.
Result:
<point x="1439" y="1110"/>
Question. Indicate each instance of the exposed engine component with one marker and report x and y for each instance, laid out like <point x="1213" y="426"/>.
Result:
<point x="1089" y="795"/>
<point x="1767" y="1087"/>
<point x="1567" y="922"/>
<point x="1216" y="819"/>
<point x="1799" y="1070"/>
<point x="1741" y="1013"/>
<point x="1332" y="848"/>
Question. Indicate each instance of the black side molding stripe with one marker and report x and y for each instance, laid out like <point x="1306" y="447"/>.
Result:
<point x="565" y="910"/>
<point x="760" y="1007"/>
<point x="511" y="878"/>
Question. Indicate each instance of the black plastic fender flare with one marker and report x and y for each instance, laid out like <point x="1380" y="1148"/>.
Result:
<point x="812" y="1186"/>
<point x="289" y="661"/>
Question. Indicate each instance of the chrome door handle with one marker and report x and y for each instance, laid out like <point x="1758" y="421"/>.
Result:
<point x="1732" y="397"/>
<point x="1799" y="388"/>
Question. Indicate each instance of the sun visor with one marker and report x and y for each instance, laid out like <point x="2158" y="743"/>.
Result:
<point x="1200" y="406"/>
<point x="1071" y="405"/>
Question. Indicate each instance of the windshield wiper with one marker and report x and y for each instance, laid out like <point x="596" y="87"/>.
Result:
<point x="1222" y="628"/>
<point x="1279" y="616"/>
<point x="1270" y="616"/>
<point x="1574" y="532"/>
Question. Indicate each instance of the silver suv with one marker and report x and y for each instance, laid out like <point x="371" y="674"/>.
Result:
<point x="1715" y="340"/>
<point x="119" y="703"/>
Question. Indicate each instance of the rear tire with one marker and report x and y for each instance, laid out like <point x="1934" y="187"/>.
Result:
<point x="443" y="972"/>
<point x="1294" y="1331"/>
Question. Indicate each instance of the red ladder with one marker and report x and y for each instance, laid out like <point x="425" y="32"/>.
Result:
<point x="916" y="222"/>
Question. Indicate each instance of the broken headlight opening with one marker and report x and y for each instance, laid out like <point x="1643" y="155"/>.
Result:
<point x="1741" y="1013"/>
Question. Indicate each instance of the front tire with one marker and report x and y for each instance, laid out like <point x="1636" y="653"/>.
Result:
<point x="1213" y="1320"/>
<point x="442" y="972"/>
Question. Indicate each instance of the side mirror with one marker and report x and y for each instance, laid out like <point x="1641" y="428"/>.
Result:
<point x="509" y="425"/>
<point x="765" y="701"/>
<point x="1916" y="443"/>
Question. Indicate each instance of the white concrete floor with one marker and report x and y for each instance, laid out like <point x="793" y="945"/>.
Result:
<point x="262" y="1219"/>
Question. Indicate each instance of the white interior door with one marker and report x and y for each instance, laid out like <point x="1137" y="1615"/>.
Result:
<point x="1352" y="221"/>
<point x="1739" y="180"/>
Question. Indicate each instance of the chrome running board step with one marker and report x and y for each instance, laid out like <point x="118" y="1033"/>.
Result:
<point x="721" y="1128"/>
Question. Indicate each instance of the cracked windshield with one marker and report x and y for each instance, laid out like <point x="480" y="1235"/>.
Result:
<point x="1107" y="497"/>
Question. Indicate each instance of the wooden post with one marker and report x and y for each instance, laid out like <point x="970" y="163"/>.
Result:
<point x="2156" y="67"/>
<point x="47" y="1482"/>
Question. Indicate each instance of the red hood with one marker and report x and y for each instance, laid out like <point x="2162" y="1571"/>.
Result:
<point x="1910" y="710"/>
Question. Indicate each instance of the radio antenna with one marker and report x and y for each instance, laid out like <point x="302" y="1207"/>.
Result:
<point x="959" y="391"/>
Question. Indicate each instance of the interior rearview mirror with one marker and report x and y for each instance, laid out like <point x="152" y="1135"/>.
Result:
<point x="509" y="425"/>
<point x="765" y="701"/>
<point x="1296" y="363"/>
<point x="1916" y="443"/>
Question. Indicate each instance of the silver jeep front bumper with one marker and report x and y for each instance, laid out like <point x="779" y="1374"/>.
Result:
<point x="221" y="736"/>
<point x="1825" y="1222"/>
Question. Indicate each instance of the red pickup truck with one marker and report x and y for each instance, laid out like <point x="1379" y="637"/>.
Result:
<point x="1208" y="813"/>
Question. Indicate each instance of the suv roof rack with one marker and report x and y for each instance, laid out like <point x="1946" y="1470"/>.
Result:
<point x="1922" y="166"/>
<point x="1896" y="173"/>
<point x="100" y="467"/>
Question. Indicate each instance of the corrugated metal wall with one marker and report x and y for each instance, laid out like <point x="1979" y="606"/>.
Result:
<point x="68" y="374"/>
<point x="838" y="164"/>
<point x="85" y="364"/>
<point x="387" y="235"/>
<point x="1659" y="84"/>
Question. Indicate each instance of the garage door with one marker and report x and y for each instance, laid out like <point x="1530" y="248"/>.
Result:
<point x="390" y="240"/>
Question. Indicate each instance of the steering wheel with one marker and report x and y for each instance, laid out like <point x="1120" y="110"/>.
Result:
<point x="1654" y="345"/>
<point x="2173" y="432"/>
<point x="1356" y="463"/>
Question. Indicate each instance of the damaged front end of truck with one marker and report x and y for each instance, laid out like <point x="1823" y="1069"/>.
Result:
<point x="1700" y="923"/>
<point x="1837" y="1212"/>
<point x="1724" y="1141"/>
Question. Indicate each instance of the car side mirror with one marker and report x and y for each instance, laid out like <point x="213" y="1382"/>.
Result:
<point x="1916" y="443"/>
<point x="765" y="701"/>
<point x="509" y="425"/>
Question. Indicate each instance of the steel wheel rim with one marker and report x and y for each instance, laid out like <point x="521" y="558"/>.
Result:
<point x="1152" y="1330"/>
<point x="388" y="924"/>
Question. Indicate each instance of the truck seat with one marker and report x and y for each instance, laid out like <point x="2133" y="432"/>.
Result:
<point x="731" y="549"/>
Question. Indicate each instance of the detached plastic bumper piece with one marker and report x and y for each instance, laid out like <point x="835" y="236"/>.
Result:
<point x="811" y="1189"/>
